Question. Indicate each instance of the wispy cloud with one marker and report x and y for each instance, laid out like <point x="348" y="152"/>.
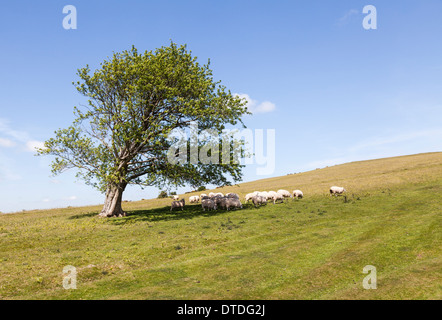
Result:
<point x="7" y="143"/>
<point x="13" y="136"/>
<point x="347" y="16"/>
<point x="381" y="141"/>
<point x="383" y="146"/>
<point x="256" y="107"/>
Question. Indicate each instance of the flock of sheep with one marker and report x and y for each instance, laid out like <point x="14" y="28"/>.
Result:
<point x="213" y="201"/>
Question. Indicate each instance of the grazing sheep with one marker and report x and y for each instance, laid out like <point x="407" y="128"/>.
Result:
<point x="258" y="200"/>
<point x="211" y="195"/>
<point x="194" y="199"/>
<point x="277" y="197"/>
<point x="271" y="194"/>
<point x="221" y="202"/>
<point x="232" y="196"/>
<point x="249" y="196"/>
<point x="264" y="194"/>
<point x="177" y="204"/>
<point x="203" y="195"/>
<point x="336" y="190"/>
<point x="219" y="194"/>
<point x="208" y="204"/>
<point x="298" y="194"/>
<point x="175" y="197"/>
<point x="284" y="193"/>
<point x="233" y="203"/>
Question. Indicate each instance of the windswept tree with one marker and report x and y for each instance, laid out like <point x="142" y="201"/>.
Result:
<point x="135" y="101"/>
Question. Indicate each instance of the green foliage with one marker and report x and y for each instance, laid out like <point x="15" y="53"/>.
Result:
<point x="202" y="188"/>
<point x="135" y="101"/>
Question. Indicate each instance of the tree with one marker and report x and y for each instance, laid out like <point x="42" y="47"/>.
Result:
<point x="135" y="101"/>
<point x="163" y="194"/>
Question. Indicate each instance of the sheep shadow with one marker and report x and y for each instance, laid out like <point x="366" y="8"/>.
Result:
<point x="164" y="214"/>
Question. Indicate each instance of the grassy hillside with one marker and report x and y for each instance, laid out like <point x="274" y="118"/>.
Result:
<point x="314" y="248"/>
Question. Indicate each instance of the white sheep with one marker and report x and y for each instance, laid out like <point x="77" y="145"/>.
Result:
<point x="336" y="190"/>
<point x="264" y="194"/>
<point x="284" y="193"/>
<point x="208" y="204"/>
<point x="177" y="204"/>
<point x="194" y="199"/>
<point x="175" y="197"/>
<point x="249" y="196"/>
<point x="277" y="197"/>
<point x="233" y="203"/>
<point x="258" y="200"/>
<point x="298" y="194"/>
<point x="271" y="194"/>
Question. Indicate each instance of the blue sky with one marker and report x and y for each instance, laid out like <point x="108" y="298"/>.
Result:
<point x="332" y="91"/>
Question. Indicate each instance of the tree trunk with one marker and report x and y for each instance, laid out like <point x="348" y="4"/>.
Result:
<point x="112" y="205"/>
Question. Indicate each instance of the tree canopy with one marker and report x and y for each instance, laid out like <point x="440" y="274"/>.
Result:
<point x="135" y="102"/>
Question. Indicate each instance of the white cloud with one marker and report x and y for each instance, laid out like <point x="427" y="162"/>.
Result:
<point x="72" y="198"/>
<point x="32" y="145"/>
<point x="20" y="136"/>
<point x="46" y="200"/>
<point x="6" y="143"/>
<point x="254" y="106"/>
<point x="15" y="134"/>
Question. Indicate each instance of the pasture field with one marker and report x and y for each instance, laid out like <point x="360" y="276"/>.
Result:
<point x="314" y="248"/>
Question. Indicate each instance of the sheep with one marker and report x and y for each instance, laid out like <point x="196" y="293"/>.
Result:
<point x="211" y="195"/>
<point x="203" y="195"/>
<point x="258" y="200"/>
<point x="233" y="203"/>
<point x="284" y="193"/>
<point x="249" y="196"/>
<point x="175" y="197"/>
<point x="336" y="190"/>
<point x="277" y="196"/>
<point x="194" y="199"/>
<point x="297" y="194"/>
<point x="208" y="204"/>
<point x="271" y="194"/>
<point x="219" y="194"/>
<point x="221" y="202"/>
<point x="264" y="194"/>
<point x="177" y="204"/>
<point x="232" y="196"/>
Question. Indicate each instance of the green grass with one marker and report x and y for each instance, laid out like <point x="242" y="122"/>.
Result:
<point x="314" y="248"/>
